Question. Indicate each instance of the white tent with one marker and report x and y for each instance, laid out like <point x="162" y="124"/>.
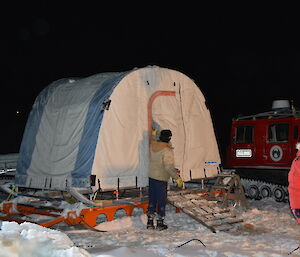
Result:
<point x="101" y="125"/>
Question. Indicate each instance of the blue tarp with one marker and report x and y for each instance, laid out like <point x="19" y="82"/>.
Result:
<point x="54" y="112"/>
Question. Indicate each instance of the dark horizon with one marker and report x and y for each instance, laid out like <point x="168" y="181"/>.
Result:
<point x="240" y="63"/>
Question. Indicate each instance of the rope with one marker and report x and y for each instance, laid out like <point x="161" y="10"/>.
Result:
<point x="95" y="195"/>
<point x="294" y="250"/>
<point x="11" y="193"/>
<point x="190" y="241"/>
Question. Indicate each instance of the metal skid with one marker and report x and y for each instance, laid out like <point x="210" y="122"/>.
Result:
<point x="86" y="217"/>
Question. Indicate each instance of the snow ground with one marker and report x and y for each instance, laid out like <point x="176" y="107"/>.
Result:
<point x="268" y="230"/>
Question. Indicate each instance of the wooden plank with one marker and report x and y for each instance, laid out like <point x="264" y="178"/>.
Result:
<point x="206" y="212"/>
<point x="199" y="220"/>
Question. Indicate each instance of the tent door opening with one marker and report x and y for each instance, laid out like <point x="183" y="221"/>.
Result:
<point x="165" y="112"/>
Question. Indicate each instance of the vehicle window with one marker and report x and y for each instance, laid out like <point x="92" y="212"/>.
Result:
<point x="278" y="133"/>
<point x="244" y="134"/>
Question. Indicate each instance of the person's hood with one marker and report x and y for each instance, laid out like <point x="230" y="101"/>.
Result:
<point x="157" y="146"/>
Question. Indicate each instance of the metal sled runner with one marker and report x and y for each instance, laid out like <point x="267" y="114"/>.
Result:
<point x="86" y="217"/>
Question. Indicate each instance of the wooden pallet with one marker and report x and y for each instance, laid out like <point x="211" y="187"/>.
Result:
<point x="202" y="207"/>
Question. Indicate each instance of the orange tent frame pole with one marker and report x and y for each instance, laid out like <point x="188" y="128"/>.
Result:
<point x="150" y="103"/>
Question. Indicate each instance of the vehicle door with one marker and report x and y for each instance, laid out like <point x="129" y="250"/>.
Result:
<point x="242" y="145"/>
<point x="278" y="143"/>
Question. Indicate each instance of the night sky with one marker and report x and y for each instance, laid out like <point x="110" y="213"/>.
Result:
<point x="241" y="61"/>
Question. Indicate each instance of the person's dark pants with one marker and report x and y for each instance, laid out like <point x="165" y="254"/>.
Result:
<point x="157" y="197"/>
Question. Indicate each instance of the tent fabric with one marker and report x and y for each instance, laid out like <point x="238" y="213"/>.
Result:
<point x="99" y="126"/>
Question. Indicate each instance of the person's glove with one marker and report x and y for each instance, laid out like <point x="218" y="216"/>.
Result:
<point x="179" y="182"/>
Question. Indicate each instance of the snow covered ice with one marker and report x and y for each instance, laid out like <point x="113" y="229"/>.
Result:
<point x="28" y="239"/>
<point x="268" y="230"/>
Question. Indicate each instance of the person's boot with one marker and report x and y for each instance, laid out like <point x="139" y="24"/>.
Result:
<point x="160" y="225"/>
<point x="150" y="224"/>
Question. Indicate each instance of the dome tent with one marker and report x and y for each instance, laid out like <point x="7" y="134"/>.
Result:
<point x="99" y="127"/>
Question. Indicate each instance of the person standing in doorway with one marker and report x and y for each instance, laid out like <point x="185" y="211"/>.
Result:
<point x="161" y="168"/>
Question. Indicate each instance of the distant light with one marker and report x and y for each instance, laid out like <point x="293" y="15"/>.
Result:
<point x="17" y="112"/>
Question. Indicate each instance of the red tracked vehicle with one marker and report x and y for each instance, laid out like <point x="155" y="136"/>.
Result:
<point x="262" y="148"/>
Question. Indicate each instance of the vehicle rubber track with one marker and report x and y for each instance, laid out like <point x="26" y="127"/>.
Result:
<point x="256" y="189"/>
